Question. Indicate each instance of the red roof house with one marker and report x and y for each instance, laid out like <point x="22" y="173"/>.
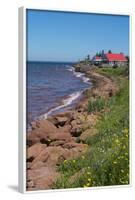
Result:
<point x="110" y="59"/>
<point x="97" y="58"/>
<point x="115" y="57"/>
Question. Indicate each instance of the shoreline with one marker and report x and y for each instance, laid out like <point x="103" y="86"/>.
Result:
<point x="69" y="102"/>
<point x="61" y="137"/>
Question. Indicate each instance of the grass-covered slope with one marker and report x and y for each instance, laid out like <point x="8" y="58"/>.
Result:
<point x="107" y="159"/>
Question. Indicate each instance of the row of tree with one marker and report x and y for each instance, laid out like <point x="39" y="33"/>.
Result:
<point x="100" y="53"/>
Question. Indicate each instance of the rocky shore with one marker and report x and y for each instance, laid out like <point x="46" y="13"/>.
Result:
<point x="62" y="136"/>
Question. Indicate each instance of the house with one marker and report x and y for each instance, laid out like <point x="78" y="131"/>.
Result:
<point x="110" y="59"/>
<point x="97" y="60"/>
<point x="115" y="59"/>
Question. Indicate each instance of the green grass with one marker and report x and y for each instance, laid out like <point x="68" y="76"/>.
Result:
<point x="114" y="72"/>
<point x="96" y="104"/>
<point x="107" y="159"/>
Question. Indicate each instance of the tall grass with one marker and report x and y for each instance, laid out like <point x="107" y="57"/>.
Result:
<point x="107" y="159"/>
<point x="96" y="104"/>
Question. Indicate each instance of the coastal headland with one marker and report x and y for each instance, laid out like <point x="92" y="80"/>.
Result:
<point x="55" y="144"/>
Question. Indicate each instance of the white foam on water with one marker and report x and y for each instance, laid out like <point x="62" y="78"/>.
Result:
<point x="79" y="75"/>
<point x="72" y="97"/>
<point x="66" y="102"/>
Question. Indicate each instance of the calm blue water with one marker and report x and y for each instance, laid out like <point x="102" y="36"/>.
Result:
<point x="52" y="87"/>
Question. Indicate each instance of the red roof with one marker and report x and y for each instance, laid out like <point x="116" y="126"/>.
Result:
<point x="115" y="57"/>
<point x="97" y="58"/>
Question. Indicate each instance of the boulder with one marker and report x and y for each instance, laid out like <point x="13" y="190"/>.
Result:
<point x="77" y="151"/>
<point x="73" y="151"/>
<point x="65" y="128"/>
<point x="31" y="138"/>
<point x="41" y="179"/>
<point x="37" y="165"/>
<point x="87" y="134"/>
<point x="47" y="126"/>
<point x="35" y="150"/>
<point x="47" y="133"/>
<point x="44" y="129"/>
<point x="50" y="156"/>
<point x="70" y="145"/>
<point x="61" y="120"/>
<point x="53" y="120"/>
<point x="57" y="143"/>
<point x="76" y="129"/>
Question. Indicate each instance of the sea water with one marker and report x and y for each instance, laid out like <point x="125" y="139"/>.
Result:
<point x="52" y="87"/>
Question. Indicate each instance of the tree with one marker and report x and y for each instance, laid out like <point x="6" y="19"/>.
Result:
<point x="103" y="52"/>
<point x="109" y="51"/>
<point x="99" y="54"/>
<point x="88" y="57"/>
<point x="127" y="57"/>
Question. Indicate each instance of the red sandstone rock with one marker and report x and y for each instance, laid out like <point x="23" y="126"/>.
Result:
<point x="35" y="150"/>
<point x="42" y="178"/>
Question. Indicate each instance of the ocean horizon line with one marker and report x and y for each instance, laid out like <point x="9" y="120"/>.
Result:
<point x="48" y="61"/>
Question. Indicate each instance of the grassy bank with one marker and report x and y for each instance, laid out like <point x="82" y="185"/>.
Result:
<point x="107" y="159"/>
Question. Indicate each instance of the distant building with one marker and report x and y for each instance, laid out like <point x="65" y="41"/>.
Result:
<point x="97" y="60"/>
<point x="110" y="59"/>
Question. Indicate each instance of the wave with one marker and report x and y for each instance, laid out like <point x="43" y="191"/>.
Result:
<point x="66" y="102"/>
<point x="79" y="75"/>
<point x="72" y="97"/>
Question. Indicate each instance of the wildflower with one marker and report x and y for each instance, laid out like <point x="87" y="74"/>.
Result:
<point x="117" y="141"/>
<point x="65" y="161"/>
<point x="88" y="184"/>
<point x="73" y="161"/>
<point x="83" y="157"/>
<point x="125" y="130"/>
<point x="85" y="186"/>
<point x="115" y="162"/>
<point x="89" y="179"/>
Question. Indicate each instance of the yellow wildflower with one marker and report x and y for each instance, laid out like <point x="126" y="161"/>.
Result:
<point x="89" y="179"/>
<point x="88" y="184"/>
<point x="83" y="157"/>
<point x="85" y="186"/>
<point x="65" y="161"/>
<point x="117" y="141"/>
<point x="73" y="161"/>
<point x="125" y="130"/>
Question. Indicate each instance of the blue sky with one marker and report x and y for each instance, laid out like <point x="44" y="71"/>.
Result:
<point x="63" y="36"/>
